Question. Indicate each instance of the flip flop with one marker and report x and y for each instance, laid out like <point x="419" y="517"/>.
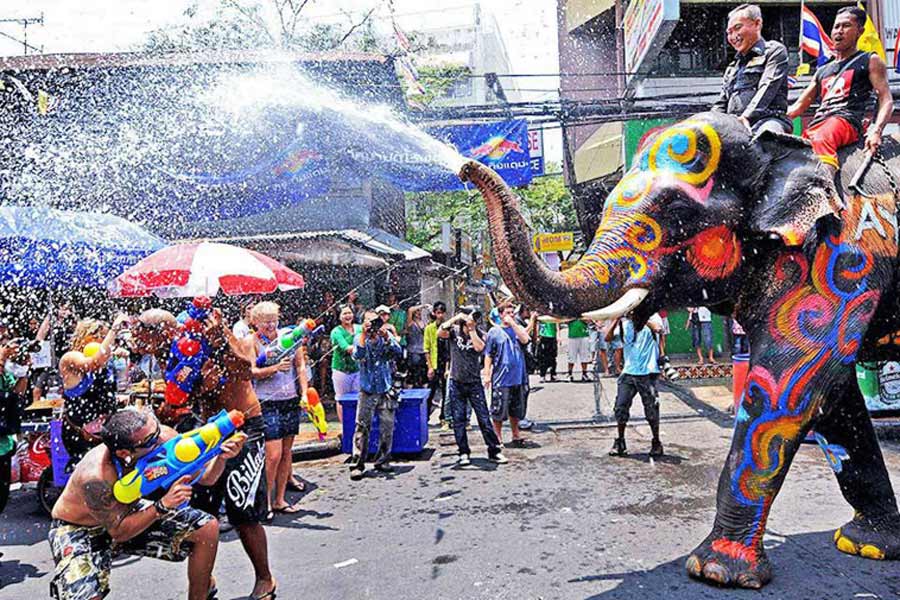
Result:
<point x="290" y="509"/>
<point x="270" y="595"/>
<point x="270" y="516"/>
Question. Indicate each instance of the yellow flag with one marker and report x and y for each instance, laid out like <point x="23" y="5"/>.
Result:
<point x="802" y="69"/>
<point x="869" y="40"/>
<point x="44" y="102"/>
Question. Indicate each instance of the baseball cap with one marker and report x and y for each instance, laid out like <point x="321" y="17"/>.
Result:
<point x="382" y="309"/>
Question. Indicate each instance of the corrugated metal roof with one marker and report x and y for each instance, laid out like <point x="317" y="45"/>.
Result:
<point x="144" y="59"/>
<point x="374" y="239"/>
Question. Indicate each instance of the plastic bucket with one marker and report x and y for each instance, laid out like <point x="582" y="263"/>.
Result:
<point x="740" y="367"/>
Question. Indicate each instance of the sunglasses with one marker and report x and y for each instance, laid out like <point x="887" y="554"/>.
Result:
<point x="150" y="441"/>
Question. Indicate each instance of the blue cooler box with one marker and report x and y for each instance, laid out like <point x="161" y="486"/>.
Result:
<point x="59" y="458"/>
<point x="410" y="423"/>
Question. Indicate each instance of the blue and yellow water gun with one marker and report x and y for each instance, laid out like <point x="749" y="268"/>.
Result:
<point x="184" y="455"/>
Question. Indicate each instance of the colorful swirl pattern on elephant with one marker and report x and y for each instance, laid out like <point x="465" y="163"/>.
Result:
<point x="709" y="215"/>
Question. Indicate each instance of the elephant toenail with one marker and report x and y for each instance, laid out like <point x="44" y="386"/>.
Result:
<point x="873" y="552"/>
<point x="716" y="572"/>
<point x="693" y="566"/>
<point x="749" y="580"/>
<point x="846" y="546"/>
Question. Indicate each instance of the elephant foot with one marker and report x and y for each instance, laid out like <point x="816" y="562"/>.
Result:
<point x="724" y="562"/>
<point x="862" y="537"/>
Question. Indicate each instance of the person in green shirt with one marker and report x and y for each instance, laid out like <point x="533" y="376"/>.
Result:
<point x="344" y="368"/>
<point x="548" y="349"/>
<point x="398" y="317"/>
<point x="437" y="356"/>
<point x="12" y="397"/>
<point x="579" y="349"/>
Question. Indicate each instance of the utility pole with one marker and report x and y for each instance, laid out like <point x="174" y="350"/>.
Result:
<point x="24" y="23"/>
<point x="620" y="48"/>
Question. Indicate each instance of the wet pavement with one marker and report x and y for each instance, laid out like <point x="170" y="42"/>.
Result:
<point x="561" y="520"/>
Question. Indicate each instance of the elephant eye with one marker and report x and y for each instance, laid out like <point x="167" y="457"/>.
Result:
<point x="678" y="214"/>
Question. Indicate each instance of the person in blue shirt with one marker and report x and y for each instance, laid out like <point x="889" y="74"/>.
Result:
<point x="375" y="350"/>
<point x="639" y="375"/>
<point x="505" y="374"/>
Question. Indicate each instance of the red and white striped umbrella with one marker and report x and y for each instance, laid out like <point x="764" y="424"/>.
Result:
<point x="202" y="269"/>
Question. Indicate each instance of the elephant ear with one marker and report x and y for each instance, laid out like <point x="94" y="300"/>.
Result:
<point x="795" y="190"/>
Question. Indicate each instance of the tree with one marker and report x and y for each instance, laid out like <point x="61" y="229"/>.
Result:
<point x="546" y="205"/>
<point x="264" y="24"/>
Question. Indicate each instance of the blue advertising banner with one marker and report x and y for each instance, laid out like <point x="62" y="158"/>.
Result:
<point x="503" y="146"/>
<point x="326" y="148"/>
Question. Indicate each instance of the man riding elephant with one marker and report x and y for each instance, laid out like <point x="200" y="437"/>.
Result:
<point x="710" y="216"/>
<point x="755" y="86"/>
<point x="846" y="84"/>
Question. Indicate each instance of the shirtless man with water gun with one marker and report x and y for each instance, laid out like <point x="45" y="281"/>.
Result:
<point x="243" y="485"/>
<point x="88" y="520"/>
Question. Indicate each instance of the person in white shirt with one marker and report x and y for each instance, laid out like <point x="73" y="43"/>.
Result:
<point x="242" y="328"/>
<point x="700" y="323"/>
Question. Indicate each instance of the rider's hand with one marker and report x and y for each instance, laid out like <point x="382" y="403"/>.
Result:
<point x="873" y="141"/>
<point x="178" y="494"/>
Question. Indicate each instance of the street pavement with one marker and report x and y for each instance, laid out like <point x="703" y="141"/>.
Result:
<point x="561" y="520"/>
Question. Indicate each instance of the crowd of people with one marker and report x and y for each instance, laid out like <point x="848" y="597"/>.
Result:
<point x="373" y="353"/>
<point x="469" y="363"/>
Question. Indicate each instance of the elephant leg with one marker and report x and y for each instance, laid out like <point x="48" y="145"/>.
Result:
<point x="769" y="427"/>
<point x="855" y="456"/>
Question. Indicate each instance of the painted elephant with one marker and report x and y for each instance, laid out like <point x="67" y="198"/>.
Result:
<point x="710" y="216"/>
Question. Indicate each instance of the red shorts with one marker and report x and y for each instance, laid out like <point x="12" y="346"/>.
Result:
<point x="828" y="136"/>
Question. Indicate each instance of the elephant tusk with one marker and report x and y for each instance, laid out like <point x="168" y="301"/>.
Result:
<point x="626" y="303"/>
<point x="549" y="319"/>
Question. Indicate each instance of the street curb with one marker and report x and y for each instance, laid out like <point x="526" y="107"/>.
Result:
<point x="317" y="449"/>
<point x="887" y="429"/>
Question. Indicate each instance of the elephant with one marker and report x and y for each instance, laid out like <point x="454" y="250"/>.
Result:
<point x="709" y="215"/>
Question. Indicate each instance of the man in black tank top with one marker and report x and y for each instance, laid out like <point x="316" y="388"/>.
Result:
<point x="845" y="85"/>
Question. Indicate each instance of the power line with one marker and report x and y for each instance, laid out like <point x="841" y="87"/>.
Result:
<point x="24" y="22"/>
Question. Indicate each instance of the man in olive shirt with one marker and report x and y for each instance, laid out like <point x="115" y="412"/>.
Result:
<point x="755" y="85"/>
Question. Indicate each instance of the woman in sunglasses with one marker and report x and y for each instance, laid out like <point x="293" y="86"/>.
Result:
<point x="89" y="385"/>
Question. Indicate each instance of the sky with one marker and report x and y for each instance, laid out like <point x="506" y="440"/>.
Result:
<point x="528" y="28"/>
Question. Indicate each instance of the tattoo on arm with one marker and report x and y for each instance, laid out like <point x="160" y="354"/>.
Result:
<point x="98" y="496"/>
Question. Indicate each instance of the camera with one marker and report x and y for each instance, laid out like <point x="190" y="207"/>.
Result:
<point x="26" y="348"/>
<point x="471" y="310"/>
<point x="374" y="326"/>
<point x="666" y="366"/>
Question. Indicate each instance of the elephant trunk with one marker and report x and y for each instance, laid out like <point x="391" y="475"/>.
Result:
<point x="529" y="279"/>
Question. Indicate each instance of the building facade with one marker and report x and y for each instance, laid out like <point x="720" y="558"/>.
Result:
<point x="469" y="37"/>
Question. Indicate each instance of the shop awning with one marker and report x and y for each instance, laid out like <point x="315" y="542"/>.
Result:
<point x="579" y="12"/>
<point x="600" y="154"/>
<point x="334" y="245"/>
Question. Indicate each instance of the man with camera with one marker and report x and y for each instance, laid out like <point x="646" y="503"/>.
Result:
<point x="504" y="372"/>
<point x="639" y="375"/>
<point x="375" y="348"/>
<point x="465" y="387"/>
